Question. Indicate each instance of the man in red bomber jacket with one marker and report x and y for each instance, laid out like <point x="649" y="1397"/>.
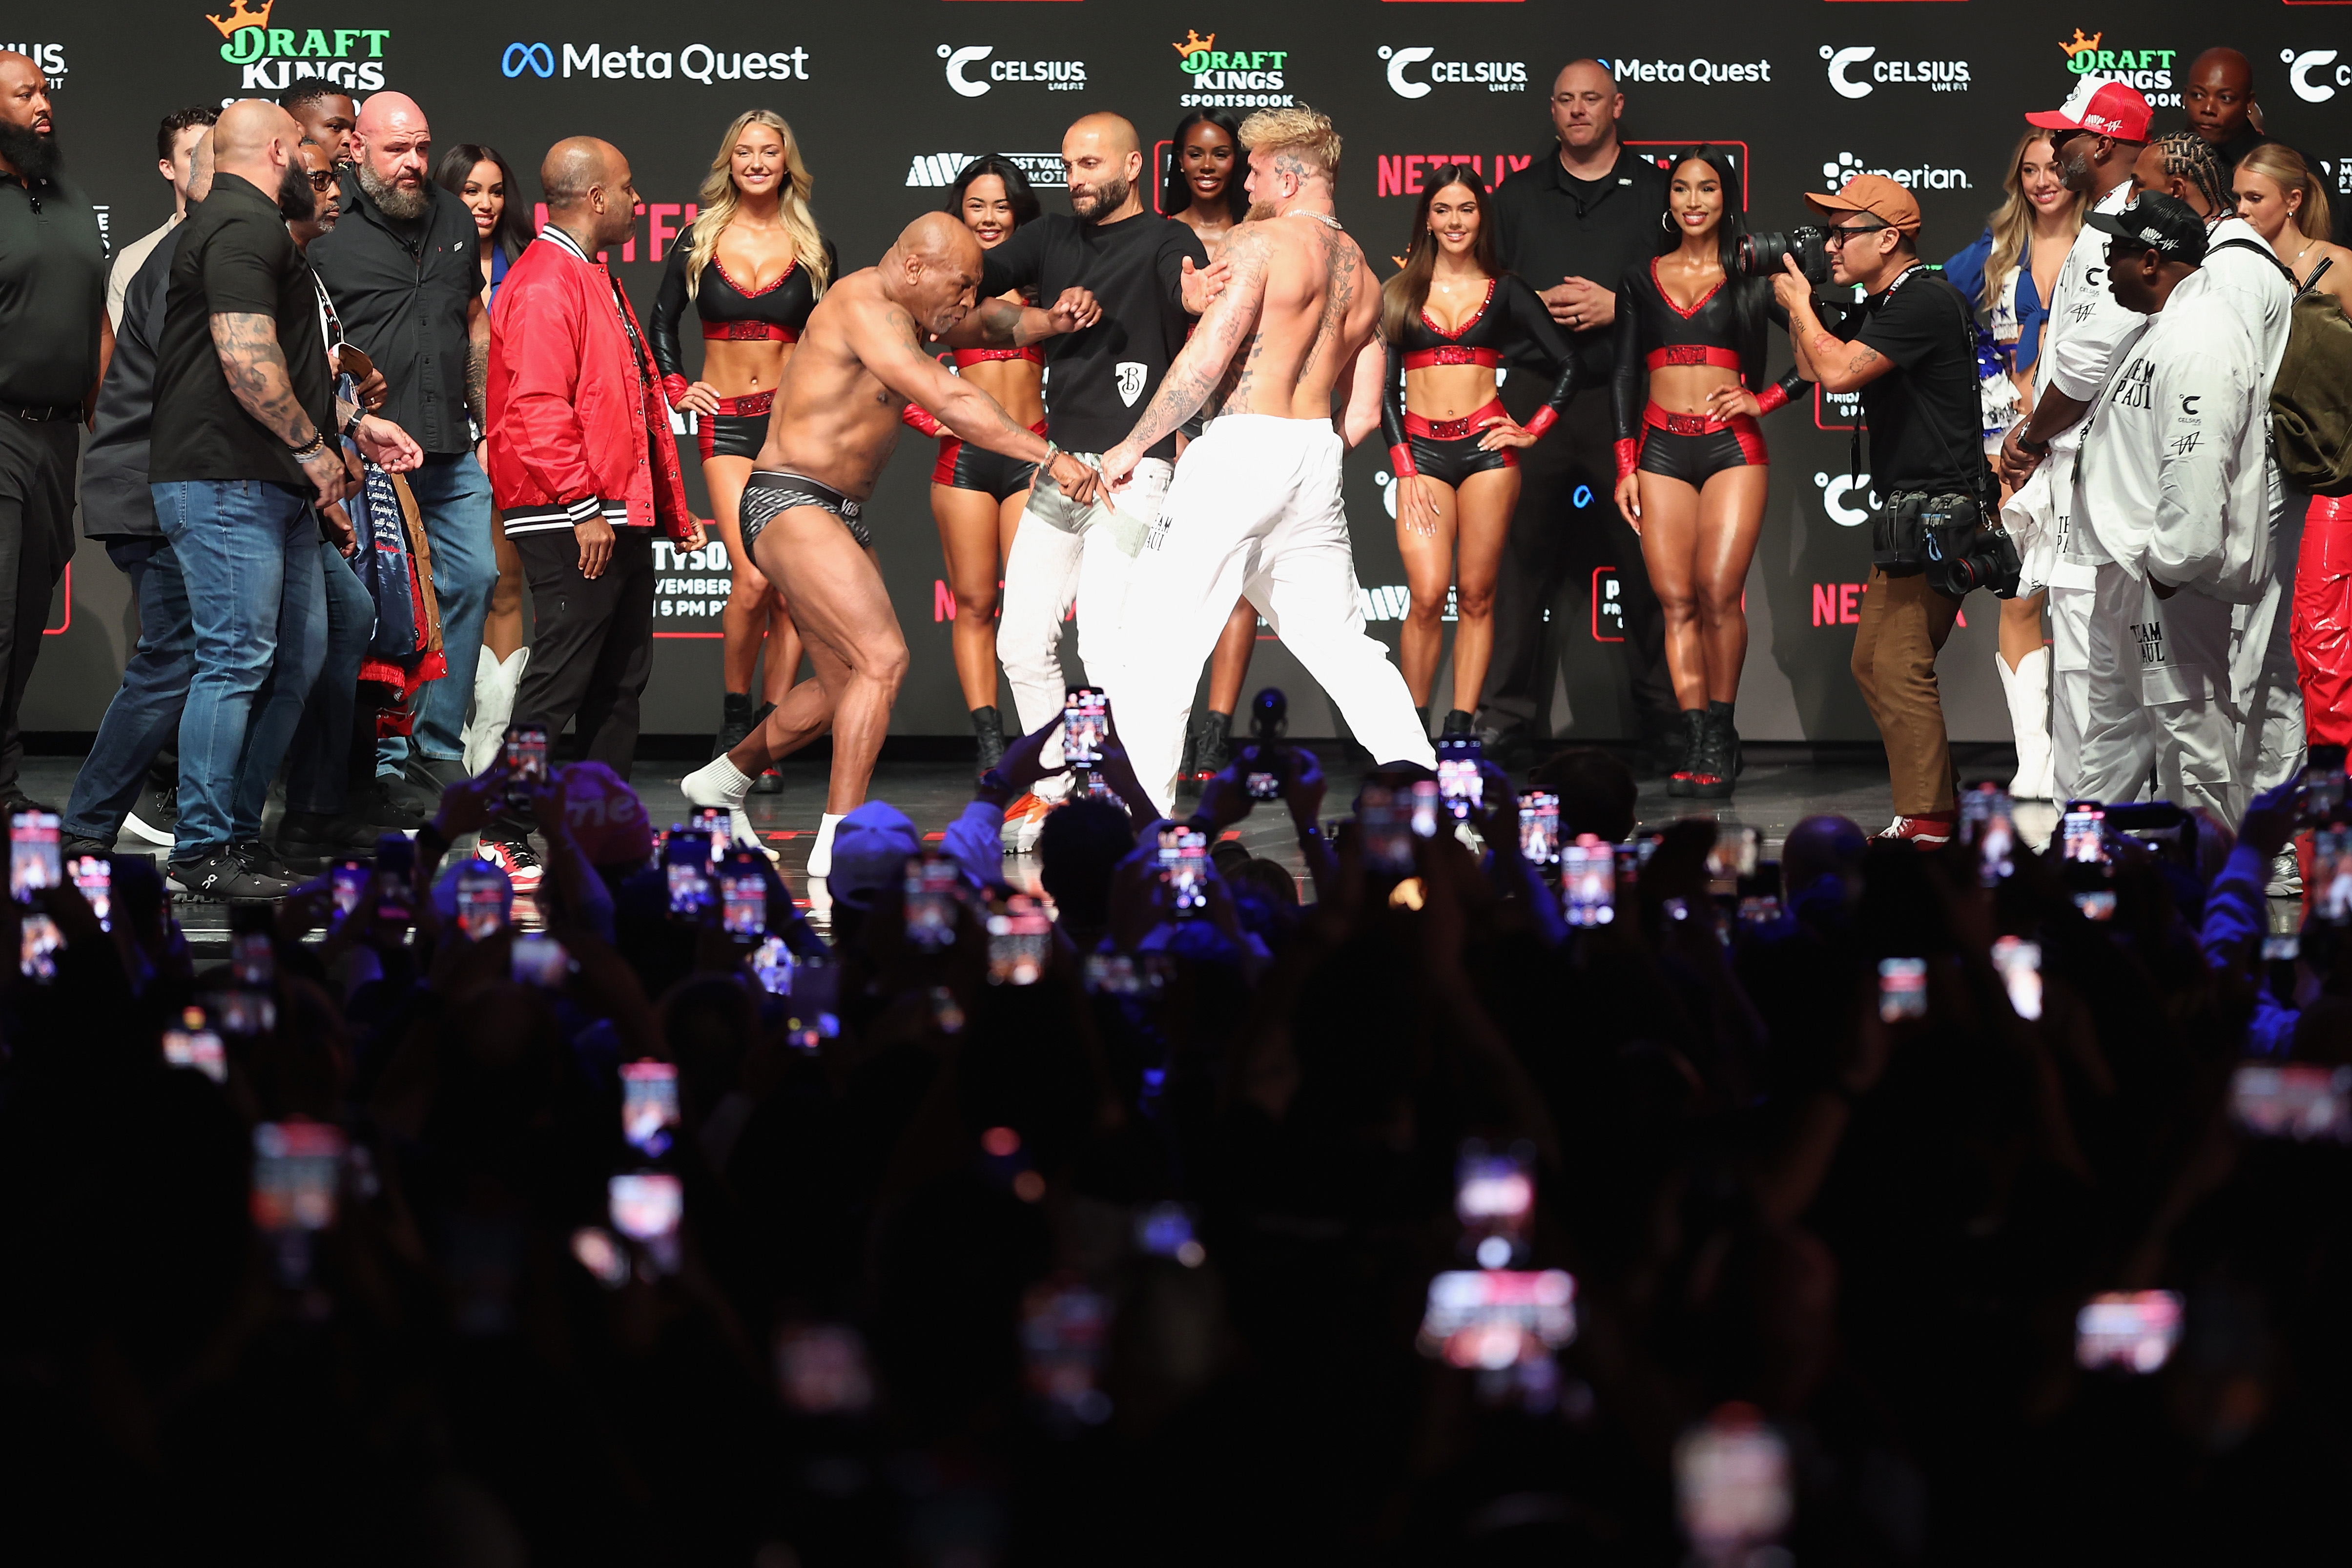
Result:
<point x="582" y="469"/>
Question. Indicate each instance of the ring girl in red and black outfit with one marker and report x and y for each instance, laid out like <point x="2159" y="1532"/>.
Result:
<point x="753" y="265"/>
<point x="1448" y="319"/>
<point x="977" y="497"/>
<point x="1691" y="464"/>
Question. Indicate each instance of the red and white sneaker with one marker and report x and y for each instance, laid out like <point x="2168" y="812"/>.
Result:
<point x="1024" y="820"/>
<point x="1929" y="830"/>
<point x="516" y="860"/>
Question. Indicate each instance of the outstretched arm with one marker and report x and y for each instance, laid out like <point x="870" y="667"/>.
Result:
<point x="1000" y="323"/>
<point x="1230" y="317"/>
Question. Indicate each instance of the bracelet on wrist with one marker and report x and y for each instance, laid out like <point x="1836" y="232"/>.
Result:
<point x="311" y="447"/>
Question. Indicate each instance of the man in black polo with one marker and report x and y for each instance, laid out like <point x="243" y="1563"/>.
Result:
<point x="403" y="268"/>
<point x="54" y="338"/>
<point x="1571" y="223"/>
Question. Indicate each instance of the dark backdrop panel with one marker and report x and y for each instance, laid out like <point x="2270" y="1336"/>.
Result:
<point x="888" y="97"/>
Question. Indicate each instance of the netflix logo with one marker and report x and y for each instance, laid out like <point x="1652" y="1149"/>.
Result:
<point x="1400" y="175"/>
<point x="1840" y="604"/>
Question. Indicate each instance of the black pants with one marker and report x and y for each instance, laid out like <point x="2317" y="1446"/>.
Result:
<point x="1554" y="542"/>
<point x="36" y="540"/>
<point x="591" y="642"/>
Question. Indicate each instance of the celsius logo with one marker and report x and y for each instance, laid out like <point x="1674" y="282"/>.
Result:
<point x="2313" y="74"/>
<point x="1857" y="71"/>
<point x="1233" y="79"/>
<point x="1495" y="76"/>
<point x="276" y="57"/>
<point x="49" y="59"/>
<point x="2150" y="70"/>
<point x="937" y="170"/>
<point x="1836" y="172"/>
<point x="696" y="62"/>
<point x="965" y="76"/>
<point x="1705" y="71"/>
<point x="1846" y="498"/>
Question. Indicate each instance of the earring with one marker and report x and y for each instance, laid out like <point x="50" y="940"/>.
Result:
<point x="1666" y="222"/>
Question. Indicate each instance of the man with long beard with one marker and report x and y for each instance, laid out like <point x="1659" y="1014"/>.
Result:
<point x="54" y="340"/>
<point x="403" y="268"/>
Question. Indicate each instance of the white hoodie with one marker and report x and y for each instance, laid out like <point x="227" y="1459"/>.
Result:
<point x="2174" y="469"/>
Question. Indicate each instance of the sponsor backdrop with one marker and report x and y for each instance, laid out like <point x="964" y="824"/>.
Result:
<point x="890" y="97"/>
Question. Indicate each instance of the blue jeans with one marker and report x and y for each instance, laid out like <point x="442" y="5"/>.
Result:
<point x="453" y="497"/>
<point x="249" y="553"/>
<point x="318" y="768"/>
<point x="145" y="716"/>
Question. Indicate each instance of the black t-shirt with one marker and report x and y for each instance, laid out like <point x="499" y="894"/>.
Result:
<point x="49" y="253"/>
<point x="233" y="256"/>
<point x="1098" y="382"/>
<point x="1925" y="427"/>
<point x="1549" y="225"/>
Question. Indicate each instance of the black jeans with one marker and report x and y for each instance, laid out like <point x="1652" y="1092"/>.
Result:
<point x="36" y="540"/>
<point x="591" y="642"/>
<point x="1553" y="543"/>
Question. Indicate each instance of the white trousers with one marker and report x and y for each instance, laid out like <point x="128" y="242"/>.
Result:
<point x="1255" y="513"/>
<point x="2161" y="697"/>
<point x="2072" y="591"/>
<point x="2264" y="686"/>
<point x="1051" y="568"/>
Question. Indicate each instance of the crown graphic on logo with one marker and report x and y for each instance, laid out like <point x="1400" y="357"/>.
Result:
<point x="2081" y="45"/>
<point x="1193" y="43"/>
<point x="241" y="15"/>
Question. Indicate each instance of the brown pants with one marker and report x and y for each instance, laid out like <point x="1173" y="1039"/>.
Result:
<point x="1904" y="625"/>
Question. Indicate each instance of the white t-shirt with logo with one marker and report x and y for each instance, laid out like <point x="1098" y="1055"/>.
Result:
<point x="2088" y="330"/>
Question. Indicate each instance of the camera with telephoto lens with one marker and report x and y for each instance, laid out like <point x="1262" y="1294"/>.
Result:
<point x="1759" y="254"/>
<point x="1966" y="550"/>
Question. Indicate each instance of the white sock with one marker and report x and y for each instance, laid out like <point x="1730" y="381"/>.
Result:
<point x="820" y="860"/>
<point x="717" y="782"/>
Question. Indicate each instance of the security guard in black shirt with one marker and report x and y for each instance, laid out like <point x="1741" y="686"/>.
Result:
<point x="54" y="343"/>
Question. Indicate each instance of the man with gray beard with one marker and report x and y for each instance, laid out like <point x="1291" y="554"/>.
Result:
<point x="403" y="267"/>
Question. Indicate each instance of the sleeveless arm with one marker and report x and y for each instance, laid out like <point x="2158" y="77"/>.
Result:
<point x="1625" y="381"/>
<point x="1393" y="416"/>
<point x="662" y="328"/>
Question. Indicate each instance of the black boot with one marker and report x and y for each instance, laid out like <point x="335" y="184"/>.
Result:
<point x="1457" y="723"/>
<point x="1691" y="742"/>
<point x="1721" y="713"/>
<point x="1421" y="712"/>
<point x="1213" y="745"/>
<point x="735" y="722"/>
<point x="770" y="781"/>
<point x="988" y="728"/>
<point x="1711" y="769"/>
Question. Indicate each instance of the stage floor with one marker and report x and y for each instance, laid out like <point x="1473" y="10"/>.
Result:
<point x="1783" y="784"/>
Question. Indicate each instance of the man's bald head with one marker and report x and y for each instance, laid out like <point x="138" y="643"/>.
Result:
<point x="1102" y="159"/>
<point x="1585" y="104"/>
<point x="391" y="146"/>
<point x="2220" y="97"/>
<point x="258" y="142"/>
<point x="588" y="190"/>
<point x="388" y="112"/>
<point x="27" y="133"/>
<point x="932" y="271"/>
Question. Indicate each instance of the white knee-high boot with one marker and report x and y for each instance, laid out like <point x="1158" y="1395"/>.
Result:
<point x="495" y="684"/>
<point x="2028" y="690"/>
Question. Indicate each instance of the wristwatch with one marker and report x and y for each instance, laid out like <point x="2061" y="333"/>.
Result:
<point x="351" y="426"/>
<point x="2031" y="447"/>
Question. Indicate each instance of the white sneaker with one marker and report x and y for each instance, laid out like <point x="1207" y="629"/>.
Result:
<point x="720" y="785"/>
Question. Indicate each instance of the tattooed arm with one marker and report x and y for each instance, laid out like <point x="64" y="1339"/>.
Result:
<point x="1822" y="355"/>
<point x="477" y="363"/>
<point x="254" y="367"/>
<point x="1201" y="368"/>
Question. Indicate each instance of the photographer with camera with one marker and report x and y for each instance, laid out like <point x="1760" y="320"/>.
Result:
<point x="2171" y="500"/>
<point x="1913" y="362"/>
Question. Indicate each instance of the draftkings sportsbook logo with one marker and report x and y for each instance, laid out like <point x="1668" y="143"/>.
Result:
<point x="1857" y="72"/>
<point x="937" y="170"/>
<point x="1231" y="79"/>
<point x="274" y="59"/>
<point x="2150" y="70"/>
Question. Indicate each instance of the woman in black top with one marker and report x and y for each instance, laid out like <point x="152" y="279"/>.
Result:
<point x="1691" y="464"/>
<point x="753" y="265"/>
<point x="1447" y="320"/>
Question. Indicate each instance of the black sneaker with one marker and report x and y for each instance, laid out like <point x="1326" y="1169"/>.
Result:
<point x="310" y="841"/>
<point x="74" y="846"/>
<point x="17" y="800"/>
<point x="437" y="773"/>
<point x="261" y="860"/>
<point x="222" y="876"/>
<point x="156" y="816"/>
<point x="407" y="797"/>
<point x="374" y="805"/>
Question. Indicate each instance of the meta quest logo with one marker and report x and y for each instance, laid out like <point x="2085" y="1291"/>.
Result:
<point x="274" y="59"/>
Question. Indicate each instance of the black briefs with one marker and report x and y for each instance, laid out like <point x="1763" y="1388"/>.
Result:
<point x="773" y="491"/>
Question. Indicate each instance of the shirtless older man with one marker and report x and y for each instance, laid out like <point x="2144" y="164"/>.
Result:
<point x="862" y="359"/>
<point x="1255" y="509"/>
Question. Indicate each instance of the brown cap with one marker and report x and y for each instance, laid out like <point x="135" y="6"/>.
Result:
<point x="1877" y="194"/>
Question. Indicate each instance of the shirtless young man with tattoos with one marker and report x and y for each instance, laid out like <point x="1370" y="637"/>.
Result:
<point x="863" y="355"/>
<point x="1256" y="508"/>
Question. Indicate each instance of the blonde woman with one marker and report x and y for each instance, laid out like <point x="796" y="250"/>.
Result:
<point x="752" y="265"/>
<point x="2011" y="272"/>
<point x="2277" y="194"/>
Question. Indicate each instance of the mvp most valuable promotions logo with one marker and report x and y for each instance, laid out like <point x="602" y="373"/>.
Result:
<point x="274" y="59"/>
<point x="1229" y="78"/>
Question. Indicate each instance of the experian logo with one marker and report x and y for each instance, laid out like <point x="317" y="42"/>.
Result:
<point x="1495" y="76"/>
<point x="1848" y="78"/>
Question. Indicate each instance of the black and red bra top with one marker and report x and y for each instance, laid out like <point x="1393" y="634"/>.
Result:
<point x="729" y="312"/>
<point x="1511" y="315"/>
<point x="1653" y="332"/>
